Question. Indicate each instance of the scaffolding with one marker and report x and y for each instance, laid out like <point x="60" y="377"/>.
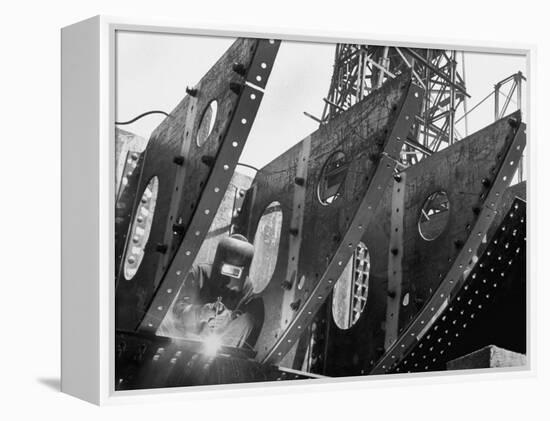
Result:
<point x="361" y="69"/>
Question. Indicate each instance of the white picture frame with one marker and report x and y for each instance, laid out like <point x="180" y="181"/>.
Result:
<point x="88" y="116"/>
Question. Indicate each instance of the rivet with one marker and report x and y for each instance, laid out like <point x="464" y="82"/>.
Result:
<point x="286" y="284"/>
<point x="235" y="87"/>
<point x="179" y="160"/>
<point x="178" y="228"/>
<point x="191" y="91"/>
<point x="208" y="160"/>
<point x="161" y="248"/>
<point x="239" y="68"/>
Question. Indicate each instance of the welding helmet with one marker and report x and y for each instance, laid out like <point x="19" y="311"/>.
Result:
<point x="232" y="262"/>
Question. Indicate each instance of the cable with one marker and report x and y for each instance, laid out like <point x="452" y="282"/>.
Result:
<point x="248" y="166"/>
<point x="122" y="123"/>
<point x="475" y="106"/>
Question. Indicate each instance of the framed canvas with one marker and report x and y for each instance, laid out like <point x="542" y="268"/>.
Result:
<point x="249" y="209"/>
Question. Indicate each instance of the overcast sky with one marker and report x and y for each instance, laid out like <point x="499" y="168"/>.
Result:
<point x="154" y="69"/>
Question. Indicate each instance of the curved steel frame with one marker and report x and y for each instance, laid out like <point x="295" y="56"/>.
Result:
<point x="454" y="279"/>
<point x="227" y="157"/>
<point x="350" y="240"/>
<point x="494" y="273"/>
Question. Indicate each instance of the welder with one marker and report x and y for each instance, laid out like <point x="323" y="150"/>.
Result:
<point x="215" y="300"/>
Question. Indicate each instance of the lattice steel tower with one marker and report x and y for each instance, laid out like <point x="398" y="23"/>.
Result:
<point x="361" y="69"/>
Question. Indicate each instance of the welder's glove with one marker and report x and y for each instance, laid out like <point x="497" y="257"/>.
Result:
<point x="216" y="316"/>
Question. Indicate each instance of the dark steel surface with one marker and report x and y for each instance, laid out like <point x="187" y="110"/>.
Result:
<point x="499" y="178"/>
<point x="459" y="171"/>
<point x="146" y="361"/>
<point x="490" y="308"/>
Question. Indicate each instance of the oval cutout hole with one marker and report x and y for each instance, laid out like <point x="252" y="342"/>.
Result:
<point x="207" y="122"/>
<point x="351" y="290"/>
<point x="434" y="216"/>
<point x="266" y="246"/>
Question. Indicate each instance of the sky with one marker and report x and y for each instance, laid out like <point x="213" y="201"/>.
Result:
<point x="153" y="71"/>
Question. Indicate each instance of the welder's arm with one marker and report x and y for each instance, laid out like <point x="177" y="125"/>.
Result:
<point x="186" y="308"/>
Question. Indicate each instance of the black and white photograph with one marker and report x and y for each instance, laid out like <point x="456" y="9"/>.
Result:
<point x="288" y="211"/>
<point x="271" y="211"/>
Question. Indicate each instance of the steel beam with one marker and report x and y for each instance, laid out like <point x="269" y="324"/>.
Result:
<point x="371" y="135"/>
<point x="192" y="177"/>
